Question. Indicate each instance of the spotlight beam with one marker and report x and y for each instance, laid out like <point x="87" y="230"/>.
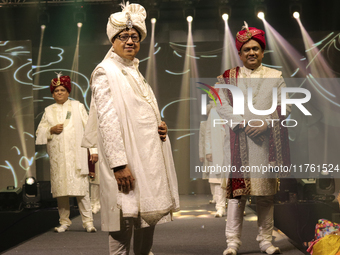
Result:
<point x="260" y="15"/>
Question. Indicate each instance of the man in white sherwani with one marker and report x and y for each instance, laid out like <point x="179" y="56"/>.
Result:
<point x="61" y="129"/>
<point x="138" y="185"/>
<point x="94" y="188"/>
<point x="214" y="141"/>
<point x="203" y="159"/>
<point x="253" y="144"/>
<point x="201" y="152"/>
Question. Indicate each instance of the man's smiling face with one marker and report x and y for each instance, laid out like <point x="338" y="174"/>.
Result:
<point x="128" y="49"/>
<point x="251" y="54"/>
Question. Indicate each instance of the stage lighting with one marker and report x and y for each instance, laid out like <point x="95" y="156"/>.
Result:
<point x="225" y="16"/>
<point x="189" y="18"/>
<point x="10" y="198"/>
<point x="296" y="15"/>
<point x="153" y="14"/>
<point x="260" y="11"/>
<point x="189" y="12"/>
<point x="31" y="193"/>
<point x="30" y="181"/>
<point x="295" y="9"/>
<point x="79" y="15"/>
<point x="225" y="12"/>
<point x="260" y="15"/>
<point x="153" y="20"/>
<point x="43" y="18"/>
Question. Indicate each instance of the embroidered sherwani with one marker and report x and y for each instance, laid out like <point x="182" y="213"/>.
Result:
<point x="214" y="138"/>
<point x="262" y="81"/>
<point x="201" y="148"/>
<point x="68" y="161"/>
<point x="128" y="120"/>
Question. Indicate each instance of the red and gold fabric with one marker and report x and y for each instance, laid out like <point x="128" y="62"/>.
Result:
<point x="64" y="81"/>
<point x="239" y="183"/>
<point x="247" y="34"/>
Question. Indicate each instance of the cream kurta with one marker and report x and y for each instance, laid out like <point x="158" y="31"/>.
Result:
<point x="68" y="162"/>
<point x="262" y="87"/>
<point x="214" y="140"/>
<point x="128" y="120"/>
<point x="201" y="149"/>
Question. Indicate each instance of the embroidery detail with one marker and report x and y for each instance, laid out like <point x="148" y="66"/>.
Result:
<point x="129" y="23"/>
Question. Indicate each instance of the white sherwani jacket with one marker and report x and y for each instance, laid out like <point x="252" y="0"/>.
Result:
<point x="215" y="137"/>
<point x="128" y="119"/>
<point x="262" y="81"/>
<point x="68" y="161"/>
<point x="201" y="149"/>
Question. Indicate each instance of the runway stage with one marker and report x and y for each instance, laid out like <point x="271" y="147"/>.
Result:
<point x="193" y="231"/>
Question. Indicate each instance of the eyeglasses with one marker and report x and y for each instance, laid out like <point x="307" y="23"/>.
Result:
<point x="125" y="37"/>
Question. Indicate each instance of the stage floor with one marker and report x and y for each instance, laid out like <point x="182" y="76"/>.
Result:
<point x="194" y="231"/>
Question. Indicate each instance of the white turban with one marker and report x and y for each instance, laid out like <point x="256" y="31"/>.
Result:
<point x="132" y="15"/>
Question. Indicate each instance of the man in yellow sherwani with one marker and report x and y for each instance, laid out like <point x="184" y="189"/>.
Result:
<point x="61" y="129"/>
<point x="253" y="144"/>
<point x="138" y="181"/>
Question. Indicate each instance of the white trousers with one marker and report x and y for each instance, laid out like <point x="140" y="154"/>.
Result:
<point x="119" y="242"/>
<point x="212" y="189"/>
<point x="265" y="221"/>
<point x="95" y="194"/>
<point x="84" y="205"/>
<point x="219" y="195"/>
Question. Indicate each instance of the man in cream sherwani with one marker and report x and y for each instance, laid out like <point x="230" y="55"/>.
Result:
<point x="61" y="129"/>
<point x="214" y="141"/>
<point x="138" y="180"/>
<point x="254" y="140"/>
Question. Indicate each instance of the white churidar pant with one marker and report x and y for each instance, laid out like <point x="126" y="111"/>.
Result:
<point x="219" y="195"/>
<point x="265" y="221"/>
<point x="84" y="205"/>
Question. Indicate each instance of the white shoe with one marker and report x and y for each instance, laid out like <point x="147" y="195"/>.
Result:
<point x="90" y="228"/>
<point x="272" y="250"/>
<point x="212" y="201"/>
<point x="230" y="251"/>
<point x="220" y="213"/>
<point x="61" y="228"/>
<point x="95" y="209"/>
